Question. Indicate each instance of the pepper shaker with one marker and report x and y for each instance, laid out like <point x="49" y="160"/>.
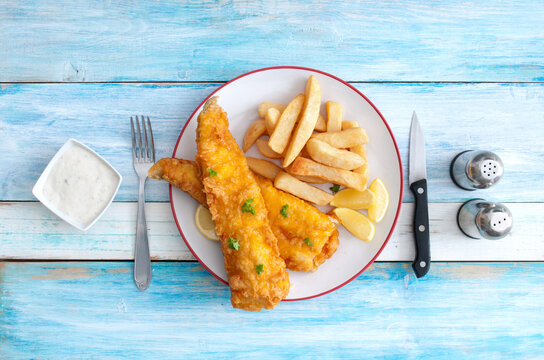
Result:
<point x="471" y="170"/>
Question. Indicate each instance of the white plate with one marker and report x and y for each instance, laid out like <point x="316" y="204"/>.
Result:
<point x="240" y="98"/>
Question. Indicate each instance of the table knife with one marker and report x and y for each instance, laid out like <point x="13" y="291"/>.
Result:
<point x="417" y="175"/>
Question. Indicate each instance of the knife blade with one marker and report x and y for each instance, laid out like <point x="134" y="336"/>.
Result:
<point x="417" y="176"/>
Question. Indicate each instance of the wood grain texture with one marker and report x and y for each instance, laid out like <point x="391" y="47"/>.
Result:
<point x="505" y="118"/>
<point x="67" y="310"/>
<point x="211" y="41"/>
<point x="30" y="231"/>
<point x="93" y="310"/>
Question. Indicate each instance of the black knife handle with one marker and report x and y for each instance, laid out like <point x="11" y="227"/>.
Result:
<point x="422" y="261"/>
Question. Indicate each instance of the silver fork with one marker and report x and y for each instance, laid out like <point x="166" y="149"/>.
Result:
<point x="143" y="157"/>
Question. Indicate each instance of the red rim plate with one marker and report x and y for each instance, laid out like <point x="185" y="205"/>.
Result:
<point x="384" y="122"/>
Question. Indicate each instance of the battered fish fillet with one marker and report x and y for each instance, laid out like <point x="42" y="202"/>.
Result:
<point x="306" y="237"/>
<point x="183" y="174"/>
<point x="256" y="272"/>
<point x="303" y="221"/>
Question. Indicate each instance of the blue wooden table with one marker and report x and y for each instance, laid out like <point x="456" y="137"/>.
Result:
<point x="474" y="71"/>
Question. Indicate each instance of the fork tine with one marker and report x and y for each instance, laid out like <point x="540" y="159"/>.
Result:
<point x="146" y="145"/>
<point x="133" y="139"/>
<point x="152" y="141"/>
<point x="139" y="139"/>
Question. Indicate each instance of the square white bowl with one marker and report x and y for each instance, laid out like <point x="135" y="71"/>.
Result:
<point x="38" y="187"/>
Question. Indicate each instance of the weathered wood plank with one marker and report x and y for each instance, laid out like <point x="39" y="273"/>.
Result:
<point x="207" y="40"/>
<point x="506" y="118"/>
<point x="30" y="231"/>
<point x="72" y="310"/>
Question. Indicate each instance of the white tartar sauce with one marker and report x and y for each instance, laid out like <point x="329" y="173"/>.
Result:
<point x="80" y="184"/>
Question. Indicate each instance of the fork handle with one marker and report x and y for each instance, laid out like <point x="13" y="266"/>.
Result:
<point x="142" y="260"/>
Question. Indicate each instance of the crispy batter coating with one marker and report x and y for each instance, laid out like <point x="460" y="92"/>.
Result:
<point x="304" y="220"/>
<point x="257" y="275"/>
<point x="306" y="237"/>
<point x="183" y="174"/>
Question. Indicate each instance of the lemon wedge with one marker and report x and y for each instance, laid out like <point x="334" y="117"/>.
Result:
<point x="356" y="223"/>
<point x="353" y="199"/>
<point x="377" y="211"/>
<point x="204" y="223"/>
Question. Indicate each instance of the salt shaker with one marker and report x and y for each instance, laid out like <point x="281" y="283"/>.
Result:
<point x="478" y="218"/>
<point x="471" y="169"/>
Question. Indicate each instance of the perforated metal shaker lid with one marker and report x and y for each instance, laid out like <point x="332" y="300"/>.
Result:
<point x="494" y="221"/>
<point x="484" y="169"/>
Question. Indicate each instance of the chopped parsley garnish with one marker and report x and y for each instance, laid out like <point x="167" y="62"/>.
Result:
<point x="335" y="188"/>
<point x="259" y="269"/>
<point x="212" y="172"/>
<point x="284" y="211"/>
<point x="248" y="206"/>
<point x="309" y="242"/>
<point x="234" y="244"/>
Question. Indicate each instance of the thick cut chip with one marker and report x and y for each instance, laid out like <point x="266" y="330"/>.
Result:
<point x="294" y="186"/>
<point x="321" y="124"/>
<point x="335" y="113"/>
<point x="308" y="179"/>
<point x="349" y="124"/>
<point x="324" y="153"/>
<point x="255" y="131"/>
<point x="307" y="167"/>
<point x="281" y="134"/>
<point x="263" y="108"/>
<point x="343" y="139"/>
<point x="266" y="151"/>
<point x="358" y="149"/>
<point x="271" y="119"/>
<point x="363" y="170"/>
<point x="264" y="168"/>
<point x="306" y="124"/>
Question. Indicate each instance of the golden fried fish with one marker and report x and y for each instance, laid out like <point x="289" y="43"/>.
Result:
<point x="257" y="275"/>
<point x="298" y="221"/>
<point x="306" y="236"/>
